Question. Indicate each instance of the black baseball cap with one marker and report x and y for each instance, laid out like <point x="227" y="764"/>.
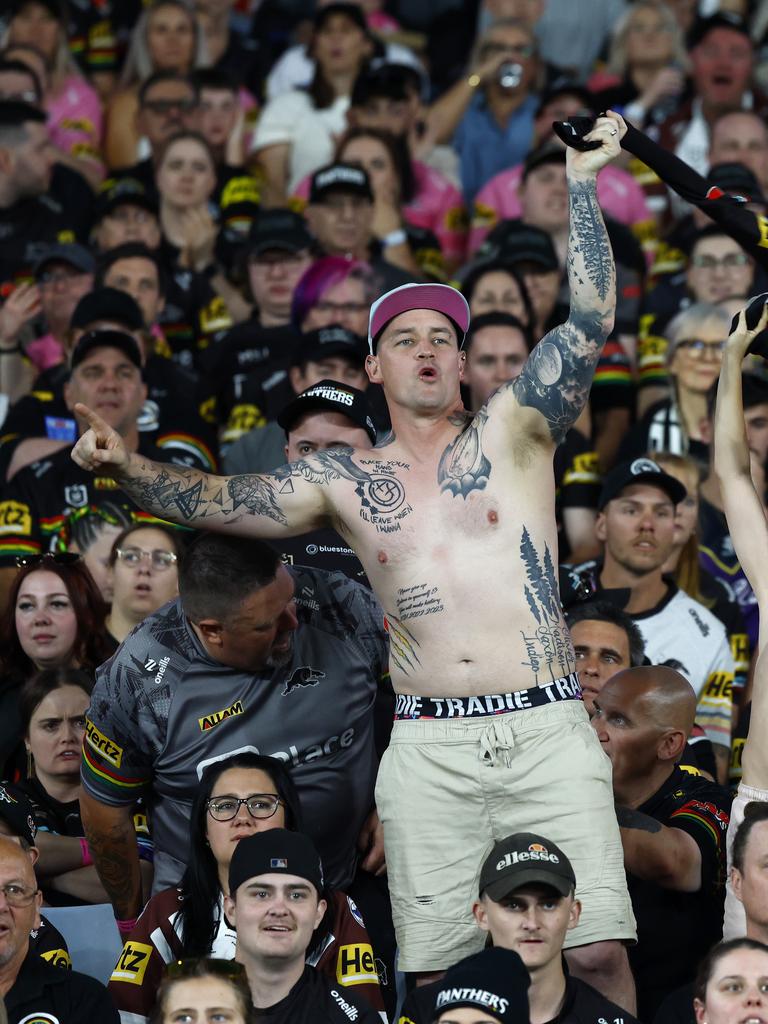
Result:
<point x="566" y="87"/>
<point x="350" y="10"/>
<point x="325" y="342"/>
<point x="108" y="304"/>
<point x="329" y="394"/>
<point x="722" y="19"/>
<point x="639" y="471"/>
<point x="17" y="813"/>
<point x="550" y="153"/>
<point x="279" y="229"/>
<point x="340" y="177"/>
<point x="515" y="242"/>
<point x="737" y="179"/>
<point x="122" y="192"/>
<point x="126" y="343"/>
<point x="276" y="851"/>
<point x="525" y="859"/>
<point x="494" y="982"/>
<point x="75" y="255"/>
<point x="57" y="8"/>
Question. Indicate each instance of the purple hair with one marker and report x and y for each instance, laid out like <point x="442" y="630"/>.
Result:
<point x="324" y="274"/>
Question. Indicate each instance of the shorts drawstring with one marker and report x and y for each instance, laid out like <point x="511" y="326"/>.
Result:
<point x="497" y="744"/>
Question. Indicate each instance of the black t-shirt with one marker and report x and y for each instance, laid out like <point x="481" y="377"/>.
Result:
<point x="577" y="480"/>
<point x="316" y="1000"/>
<point x="582" y="1005"/>
<point x="43" y="992"/>
<point x="170" y="418"/>
<point x="676" y="929"/>
<point x="27" y="230"/>
<point x="244" y="371"/>
<point x="677" y="1008"/>
<point x="37" y="501"/>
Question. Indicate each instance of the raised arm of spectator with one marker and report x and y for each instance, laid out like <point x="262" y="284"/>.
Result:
<point x="657" y="853"/>
<point x="289" y="501"/>
<point x="558" y="374"/>
<point x="747" y="527"/>
<point x="442" y="118"/>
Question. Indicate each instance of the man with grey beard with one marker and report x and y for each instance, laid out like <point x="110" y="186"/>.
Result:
<point x="250" y="656"/>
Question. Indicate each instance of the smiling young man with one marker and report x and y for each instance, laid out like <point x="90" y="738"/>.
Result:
<point x="275" y="902"/>
<point x="432" y="513"/>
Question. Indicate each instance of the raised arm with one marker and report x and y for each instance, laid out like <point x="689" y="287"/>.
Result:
<point x="289" y="501"/>
<point x="742" y="505"/>
<point x="558" y="374"/>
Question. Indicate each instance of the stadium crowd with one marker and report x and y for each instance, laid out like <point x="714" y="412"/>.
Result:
<point x="383" y="497"/>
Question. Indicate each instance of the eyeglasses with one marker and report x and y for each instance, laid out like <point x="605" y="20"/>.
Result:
<point x="25" y="95"/>
<point x="166" y="106"/>
<point x="18" y="895"/>
<point x="697" y="348"/>
<point x="259" y="805"/>
<point x="58" y="557"/>
<point x="135" y="556"/>
<point x="326" y="306"/>
<point x="729" y="262"/>
<point x="190" y="967"/>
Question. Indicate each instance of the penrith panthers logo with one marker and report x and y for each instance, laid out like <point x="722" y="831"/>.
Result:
<point x="302" y="676"/>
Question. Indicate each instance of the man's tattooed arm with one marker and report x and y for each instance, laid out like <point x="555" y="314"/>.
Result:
<point x="558" y="374"/>
<point x="112" y="842"/>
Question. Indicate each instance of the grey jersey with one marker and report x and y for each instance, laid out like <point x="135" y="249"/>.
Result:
<point x="162" y="709"/>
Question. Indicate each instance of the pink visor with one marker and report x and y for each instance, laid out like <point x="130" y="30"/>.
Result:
<point x="440" y="297"/>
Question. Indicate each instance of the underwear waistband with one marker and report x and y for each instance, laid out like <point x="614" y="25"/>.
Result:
<point x="408" y="706"/>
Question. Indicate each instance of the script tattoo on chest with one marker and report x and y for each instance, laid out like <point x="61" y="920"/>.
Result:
<point x="381" y="492"/>
<point x="463" y="466"/>
<point x="548" y="646"/>
<point x="418" y="600"/>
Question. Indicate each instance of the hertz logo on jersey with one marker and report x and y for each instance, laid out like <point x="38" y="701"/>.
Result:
<point x="132" y="963"/>
<point x="355" y="965"/>
<point x="209" y="721"/>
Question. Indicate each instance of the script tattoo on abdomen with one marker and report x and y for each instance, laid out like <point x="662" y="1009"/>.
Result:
<point x="418" y="600"/>
<point x="548" y="647"/>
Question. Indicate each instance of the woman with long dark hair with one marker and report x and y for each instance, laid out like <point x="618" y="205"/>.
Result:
<point x="53" y="706"/>
<point x="237" y="796"/>
<point x="296" y="130"/>
<point x="54" y="618"/>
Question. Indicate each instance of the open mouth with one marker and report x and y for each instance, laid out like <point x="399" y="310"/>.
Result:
<point x="428" y="373"/>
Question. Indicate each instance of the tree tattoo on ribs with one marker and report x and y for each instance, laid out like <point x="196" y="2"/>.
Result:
<point x="548" y="647"/>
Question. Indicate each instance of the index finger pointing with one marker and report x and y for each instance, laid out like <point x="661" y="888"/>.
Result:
<point x="92" y="418"/>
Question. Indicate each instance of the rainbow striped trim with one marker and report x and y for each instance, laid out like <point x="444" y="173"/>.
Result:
<point x="120" y="783"/>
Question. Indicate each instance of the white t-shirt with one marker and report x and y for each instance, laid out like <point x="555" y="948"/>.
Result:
<point x="311" y="133"/>
<point x="685" y="635"/>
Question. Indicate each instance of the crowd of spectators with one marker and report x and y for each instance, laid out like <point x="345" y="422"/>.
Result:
<point x="200" y="203"/>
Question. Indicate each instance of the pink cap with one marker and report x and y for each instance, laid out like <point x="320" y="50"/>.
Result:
<point x="440" y="297"/>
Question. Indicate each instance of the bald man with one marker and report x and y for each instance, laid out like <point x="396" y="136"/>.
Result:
<point x="673" y="827"/>
<point x="33" y="989"/>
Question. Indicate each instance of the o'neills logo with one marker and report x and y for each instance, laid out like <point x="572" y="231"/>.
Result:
<point x="534" y="852"/>
<point x="209" y="721"/>
<point x="472" y="995"/>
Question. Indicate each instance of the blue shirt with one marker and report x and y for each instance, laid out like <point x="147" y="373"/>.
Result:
<point x="485" y="149"/>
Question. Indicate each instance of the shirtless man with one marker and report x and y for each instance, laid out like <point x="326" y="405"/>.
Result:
<point x="453" y="518"/>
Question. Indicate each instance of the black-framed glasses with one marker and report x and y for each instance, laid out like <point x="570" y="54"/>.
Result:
<point x="259" y="805"/>
<point x="159" y="559"/>
<point x="192" y="966"/>
<point x="58" y="557"/>
<point x="697" y="347"/>
<point x="17" y="895"/>
<point x="730" y="261"/>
